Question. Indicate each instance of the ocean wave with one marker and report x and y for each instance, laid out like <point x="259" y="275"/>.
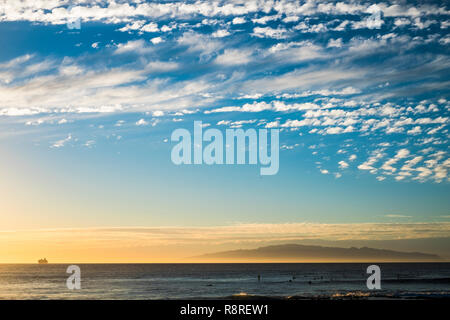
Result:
<point x="341" y="295"/>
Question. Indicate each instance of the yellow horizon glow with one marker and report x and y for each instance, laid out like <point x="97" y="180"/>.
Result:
<point x="179" y="244"/>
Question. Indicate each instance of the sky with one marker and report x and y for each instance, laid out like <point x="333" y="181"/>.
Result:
<point x="91" y="91"/>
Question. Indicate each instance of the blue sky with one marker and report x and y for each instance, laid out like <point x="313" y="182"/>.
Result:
<point x="86" y="114"/>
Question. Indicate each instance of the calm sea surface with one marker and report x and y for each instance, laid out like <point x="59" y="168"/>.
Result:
<point x="205" y="281"/>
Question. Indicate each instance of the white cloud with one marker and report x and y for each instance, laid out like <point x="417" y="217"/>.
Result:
<point x="239" y="20"/>
<point x="397" y="216"/>
<point x="197" y="42"/>
<point x="143" y="13"/>
<point x="235" y="124"/>
<point x="91" y="90"/>
<point x="278" y="106"/>
<point x="400" y="22"/>
<point x="268" y="32"/>
<point x="273" y="124"/>
<point x="316" y="28"/>
<point x="409" y="164"/>
<point x="342" y="26"/>
<point x="295" y="51"/>
<point x="150" y="27"/>
<point x="335" y="43"/>
<point x="402" y="153"/>
<point x="89" y="143"/>
<point x="234" y="57"/>
<point x="326" y="92"/>
<point x="415" y="130"/>
<point x="435" y="130"/>
<point x="265" y="19"/>
<point x="289" y="19"/>
<point x="388" y="165"/>
<point x="220" y="33"/>
<point x="368" y="165"/>
<point x="142" y="122"/>
<point x="156" y="40"/>
<point x="158" y="113"/>
<point x="343" y="164"/>
<point x="161" y="66"/>
<point x="136" y="25"/>
<point x="61" y="143"/>
<point x="302" y="78"/>
<point x="136" y="46"/>
<point x="254" y="107"/>
<point x="141" y="26"/>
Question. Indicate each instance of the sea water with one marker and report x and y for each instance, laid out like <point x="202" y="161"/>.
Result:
<point x="219" y="281"/>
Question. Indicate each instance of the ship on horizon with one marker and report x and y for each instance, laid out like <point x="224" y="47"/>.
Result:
<point x="42" y="261"/>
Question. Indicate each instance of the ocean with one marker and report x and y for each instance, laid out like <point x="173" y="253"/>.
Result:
<point x="224" y="281"/>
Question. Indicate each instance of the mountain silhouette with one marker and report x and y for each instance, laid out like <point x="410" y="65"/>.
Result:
<point x="309" y="253"/>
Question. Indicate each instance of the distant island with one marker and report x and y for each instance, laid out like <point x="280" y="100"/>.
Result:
<point x="42" y="261"/>
<point x="309" y="253"/>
